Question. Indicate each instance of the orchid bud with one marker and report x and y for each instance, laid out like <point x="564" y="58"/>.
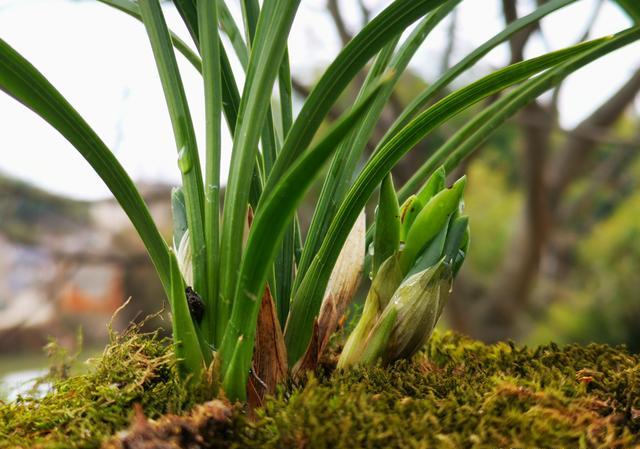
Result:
<point x="417" y="305"/>
<point x="185" y="261"/>
<point x="410" y="288"/>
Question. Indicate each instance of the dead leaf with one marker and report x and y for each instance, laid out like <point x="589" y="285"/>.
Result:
<point x="269" y="354"/>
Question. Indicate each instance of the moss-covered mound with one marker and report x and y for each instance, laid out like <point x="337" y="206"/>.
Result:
<point x="458" y="393"/>
<point x="82" y="410"/>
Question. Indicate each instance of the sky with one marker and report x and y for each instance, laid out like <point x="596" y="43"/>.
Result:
<point x="101" y="61"/>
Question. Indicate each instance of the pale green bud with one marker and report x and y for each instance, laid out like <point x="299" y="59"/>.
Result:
<point x="385" y="283"/>
<point x="417" y="305"/>
<point x="185" y="261"/>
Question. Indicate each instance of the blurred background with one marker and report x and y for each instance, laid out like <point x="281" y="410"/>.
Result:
<point x="553" y="197"/>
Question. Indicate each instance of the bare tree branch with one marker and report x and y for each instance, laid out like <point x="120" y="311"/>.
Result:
<point x="303" y="90"/>
<point x="583" y="37"/>
<point x="366" y="14"/>
<point x="512" y="287"/>
<point x="571" y="161"/>
<point x="606" y="172"/>
<point x="341" y="27"/>
<point x="518" y="41"/>
<point x="451" y="38"/>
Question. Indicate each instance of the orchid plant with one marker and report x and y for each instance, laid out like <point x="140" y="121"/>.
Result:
<point x="227" y="282"/>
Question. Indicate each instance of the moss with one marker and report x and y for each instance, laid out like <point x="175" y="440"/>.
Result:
<point x="457" y="393"/>
<point x="462" y="393"/>
<point x="81" y="411"/>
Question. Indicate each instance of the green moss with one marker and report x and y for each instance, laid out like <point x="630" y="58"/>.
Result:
<point x="457" y="393"/>
<point x="462" y="393"/>
<point x="83" y="410"/>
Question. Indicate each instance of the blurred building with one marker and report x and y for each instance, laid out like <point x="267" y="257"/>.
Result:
<point x="66" y="264"/>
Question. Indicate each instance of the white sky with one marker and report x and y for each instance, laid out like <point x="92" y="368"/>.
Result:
<point x="100" y="59"/>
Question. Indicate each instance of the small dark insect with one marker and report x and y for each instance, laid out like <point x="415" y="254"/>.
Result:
<point x="196" y="305"/>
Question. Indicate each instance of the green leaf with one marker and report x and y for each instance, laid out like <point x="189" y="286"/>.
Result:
<point x="230" y="94"/>
<point x="282" y="277"/>
<point x="284" y="265"/>
<point x="476" y="131"/>
<point x="386" y="240"/>
<point x="211" y="73"/>
<point x="234" y="381"/>
<point x="189" y="14"/>
<point x="632" y="8"/>
<point x="383" y="28"/>
<point x="461" y="67"/>
<point x="232" y="31"/>
<point x="269" y="224"/>
<point x="286" y="97"/>
<point x="250" y="14"/>
<point x="131" y="8"/>
<point x="188" y="159"/>
<point x="345" y="163"/>
<point x="433" y="216"/>
<point x="269" y="45"/>
<point x="187" y="346"/>
<point x="26" y="84"/>
<point x="306" y="302"/>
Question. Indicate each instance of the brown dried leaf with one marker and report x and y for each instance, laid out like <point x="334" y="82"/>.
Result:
<point x="269" y="354"/>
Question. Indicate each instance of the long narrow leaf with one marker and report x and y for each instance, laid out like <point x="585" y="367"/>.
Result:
<point x="343" y="166"/>
<point x="269" y="45"/>
<point x="429" y="94"/>
<point x="384" y="27"/>
<point x="282" y="278"/>
<point x="188" y="159"/>
<point x="210" y="50"/>
<point x="284" y="265"/>
<point x="286" y="97"/>
<point x="307" y="299"/>
<point x="26" y="84"/>
<point x="469" y="137"/>
<point x="632" y="8"/>
<point x="189" y="13"/>
<point x="230" y="28"/>
<point x="230" y="94"/>
<point x="131" y="8"/>
<point x="187" y="346"/>
<point x="267" y="230"/>
<point x="250" y="14"/>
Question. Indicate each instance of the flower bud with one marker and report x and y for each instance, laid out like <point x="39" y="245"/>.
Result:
<point x="384" y="285"/>
<point x="185" y="261"/>
<point x="417" y="305"/>
<point x="410" y="288"/>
